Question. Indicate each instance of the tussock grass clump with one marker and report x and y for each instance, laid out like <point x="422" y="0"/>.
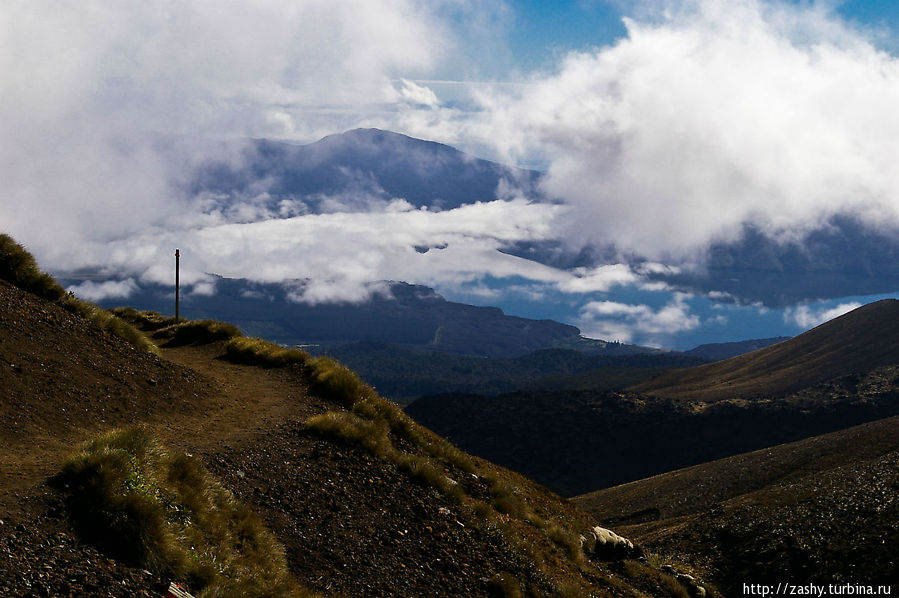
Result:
<point x="110" y="322"/>
<point x="166" y="513"/>
<point x="333" y="380"/>
<point x="18" y="267"/>
<point x="255" y="351"/>
<point x="200" y="332"/>
<point x="147" y="320"/>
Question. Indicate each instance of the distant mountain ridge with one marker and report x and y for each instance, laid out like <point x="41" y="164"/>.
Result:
<point x="349" y="169"/>
<point x="861" y="340"/>
<point x="405" y="314"/>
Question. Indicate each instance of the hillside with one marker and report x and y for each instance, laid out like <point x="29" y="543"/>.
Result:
<point x="578" y="441"/>
<point x="357" y="498"/>
<point x="839" y="374"/>
<point x="821" y="509"/>
<point x="718" y="351"/>
<point x="858" y="341"/>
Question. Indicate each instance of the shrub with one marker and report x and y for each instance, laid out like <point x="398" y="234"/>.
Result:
<point x="254" y="351"/>
<point x="332" y="380"/>
<point x="168" y="514"/>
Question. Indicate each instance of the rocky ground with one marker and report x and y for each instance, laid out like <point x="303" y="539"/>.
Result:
<point x="42" y="557"/>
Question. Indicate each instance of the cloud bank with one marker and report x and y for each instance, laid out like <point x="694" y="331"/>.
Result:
<point x="710" y="115"/>
<point x="706" y="117"/>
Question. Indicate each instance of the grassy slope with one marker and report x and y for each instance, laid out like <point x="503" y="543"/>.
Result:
<point x="822" y="509"/>
<point x="858" y="341"/>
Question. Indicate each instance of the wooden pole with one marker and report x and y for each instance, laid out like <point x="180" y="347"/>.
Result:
<point x="177" y="281"/>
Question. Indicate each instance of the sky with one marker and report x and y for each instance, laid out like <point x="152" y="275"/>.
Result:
<point x="663" y="126"/>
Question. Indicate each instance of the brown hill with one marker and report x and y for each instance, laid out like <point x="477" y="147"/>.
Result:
<point x="396" y="512"/>
<point x="858" y="341"/>
<point x="818" y="510"/>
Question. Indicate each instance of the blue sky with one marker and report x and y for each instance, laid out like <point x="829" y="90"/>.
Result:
<point x="544" y="31"/>
<point x="660" y="136"/>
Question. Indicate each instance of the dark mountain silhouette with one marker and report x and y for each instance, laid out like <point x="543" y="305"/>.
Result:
<point x="404" y="373"/>
<point x="353" y="167"/>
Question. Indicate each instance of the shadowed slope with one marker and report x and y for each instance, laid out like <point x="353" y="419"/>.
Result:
<point x="818" y="510"/>
<point x="859" y="341"/>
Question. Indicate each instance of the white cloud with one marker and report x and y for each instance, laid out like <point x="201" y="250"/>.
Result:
<point x="611" y="320"/>
<point x="87" y="90"/>
<point x="806" y="317"/>
<point x="96" y="291"/>
<point x="601" y="278"/>
<point x="710" y="115"/>
<point x="416" y="94"/>
<point x="341" y="252"/>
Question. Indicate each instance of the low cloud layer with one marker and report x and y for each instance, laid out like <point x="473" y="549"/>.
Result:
<point x="624" y="322"/>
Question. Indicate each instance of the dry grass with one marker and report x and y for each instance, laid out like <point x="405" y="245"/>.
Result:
<point x="168" y="514"/>
<point x="254" y="351"/>
<point x="146" y="320"/>
<point x="198" y="332"/>
<point x="18" y="267"/>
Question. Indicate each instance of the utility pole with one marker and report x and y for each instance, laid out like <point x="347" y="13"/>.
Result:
<point x="177" y="281"/>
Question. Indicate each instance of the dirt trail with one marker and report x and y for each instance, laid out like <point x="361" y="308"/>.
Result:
<point x="63" y="381"/>
<point x="249" y="400"/>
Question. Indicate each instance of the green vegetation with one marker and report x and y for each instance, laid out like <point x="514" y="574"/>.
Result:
<point x="166" y="513"/>
<point x="18" y="267"/>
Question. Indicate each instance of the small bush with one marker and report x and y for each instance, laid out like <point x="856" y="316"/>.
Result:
<point x="166" y="513"/>
<point x="348" y="427"/>
<point x="254" y="351"/>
